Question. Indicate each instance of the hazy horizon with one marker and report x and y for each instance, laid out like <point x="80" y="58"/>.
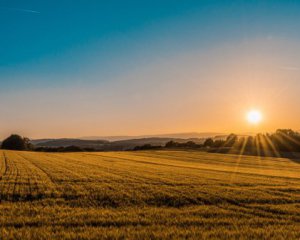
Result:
<point x="144" y="68"/>
<point x="120" y="137"/>
<point x="183" y="135"/>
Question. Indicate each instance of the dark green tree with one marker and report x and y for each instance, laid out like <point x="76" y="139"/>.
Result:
<point x="16" y="142"/>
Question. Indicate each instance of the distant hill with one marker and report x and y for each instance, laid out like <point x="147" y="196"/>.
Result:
<point x="187" y="135"/>
<point x="104" y="145"/>
<point x="65" y="142"/>
<point x="110" y="143"/>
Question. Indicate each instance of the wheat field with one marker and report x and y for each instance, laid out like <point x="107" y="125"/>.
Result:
<point x="148" y="195"/>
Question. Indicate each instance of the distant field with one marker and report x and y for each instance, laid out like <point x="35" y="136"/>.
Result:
<point x="148" y="195"/>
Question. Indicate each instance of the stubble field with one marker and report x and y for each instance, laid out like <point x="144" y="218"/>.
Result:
<point x="148" y="195"/>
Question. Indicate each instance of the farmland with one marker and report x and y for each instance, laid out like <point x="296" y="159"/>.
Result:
<point x="148" y="195"/>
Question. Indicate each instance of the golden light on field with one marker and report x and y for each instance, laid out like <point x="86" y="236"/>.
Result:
<point x="254" y="117"/>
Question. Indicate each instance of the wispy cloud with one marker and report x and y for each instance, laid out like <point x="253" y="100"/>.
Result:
<point x="20" y="10"/>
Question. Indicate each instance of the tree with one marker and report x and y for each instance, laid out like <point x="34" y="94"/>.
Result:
<point x="249" y="146"/>
<point x="219" y="143"/>
<point x="146" y="147"/>
<point x="190" y="144"/>
<point x="286" y="140"/>
<point x="231" y="140"/>
<point x="171" y="144"/>
<point x="209" y="142"/>
<point x="16" y="142"/>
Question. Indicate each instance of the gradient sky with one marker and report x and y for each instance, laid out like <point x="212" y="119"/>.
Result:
<point x="90" y="68"/>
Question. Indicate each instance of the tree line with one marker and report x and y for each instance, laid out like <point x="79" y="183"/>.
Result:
<point x="281" y="141"/>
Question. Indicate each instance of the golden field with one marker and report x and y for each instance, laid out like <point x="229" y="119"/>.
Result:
<point x="148" y="195"/>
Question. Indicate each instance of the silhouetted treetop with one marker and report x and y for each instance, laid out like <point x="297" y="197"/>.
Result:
<point x="16" y="142"/>
<point x="208" y="142"/>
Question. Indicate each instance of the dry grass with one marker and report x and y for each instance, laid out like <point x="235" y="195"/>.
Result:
<point x="148" y="195"/>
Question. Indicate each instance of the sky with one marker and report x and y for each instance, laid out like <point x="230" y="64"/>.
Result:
<point x="103" y="68"/>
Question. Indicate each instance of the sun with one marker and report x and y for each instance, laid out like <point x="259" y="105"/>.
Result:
<point x="254" y="117"/>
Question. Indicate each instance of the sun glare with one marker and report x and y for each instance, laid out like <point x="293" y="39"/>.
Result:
<point x="254" y="117"/>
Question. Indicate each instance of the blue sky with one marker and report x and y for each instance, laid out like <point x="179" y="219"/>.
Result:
<point x="62" y="36"/>
<point x="49" y="46"/>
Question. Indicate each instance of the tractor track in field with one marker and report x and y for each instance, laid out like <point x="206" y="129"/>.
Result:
<point x="31" y="179"/>
<point x="5" y="167"/>
<point x="9" y="178"/>
<point x="39" y="168"/>
<point x="68" y="183"/>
